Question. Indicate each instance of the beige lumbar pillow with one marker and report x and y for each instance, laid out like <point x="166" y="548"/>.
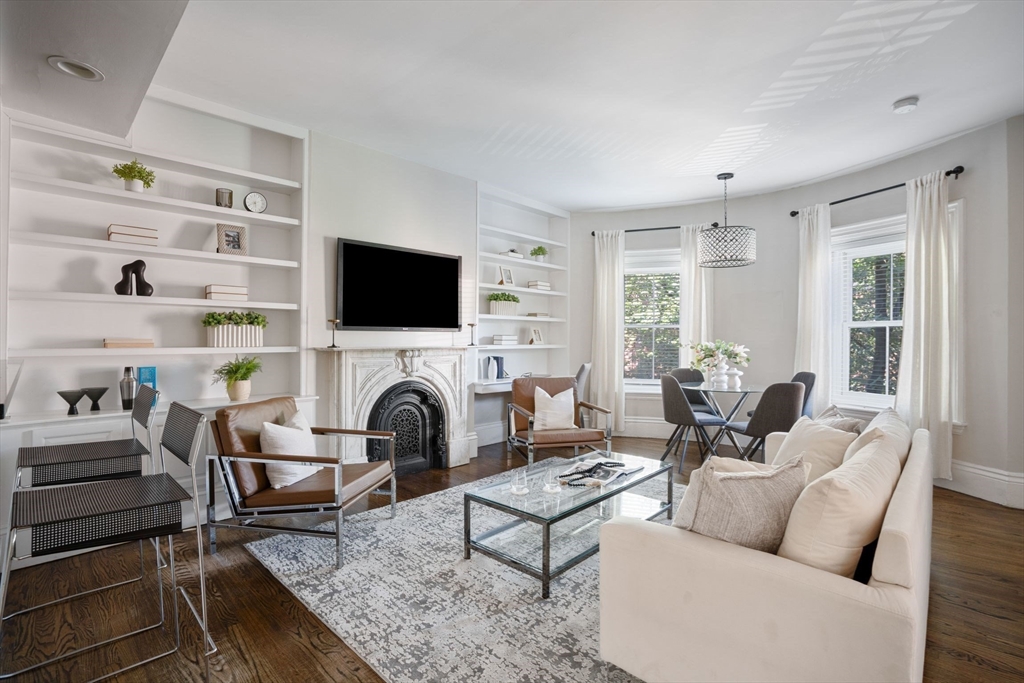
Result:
<point x="822" y="446"/>
<point x="553" y="412"/>
<point x="834" y="418"/>
<point x="842" y="511"/>
<point x="741" y="502"/>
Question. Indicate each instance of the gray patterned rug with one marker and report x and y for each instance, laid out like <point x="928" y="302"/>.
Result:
<point x="415" y="610"/>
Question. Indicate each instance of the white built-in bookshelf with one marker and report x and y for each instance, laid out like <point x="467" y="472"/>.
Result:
<point x="60" y="270"/>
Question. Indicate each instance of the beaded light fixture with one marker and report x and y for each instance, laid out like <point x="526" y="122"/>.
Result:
<point x="727" y="246"/>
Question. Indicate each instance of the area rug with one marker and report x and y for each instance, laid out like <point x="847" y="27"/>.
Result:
<point x="411" y="607"/>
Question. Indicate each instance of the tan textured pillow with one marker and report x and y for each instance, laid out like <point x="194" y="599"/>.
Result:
<point x="861" y="441"/>
<point x="741" y="502"/>
<point x="834" y="418"/>
<point x="840" y="513"/>
<point x="822" y="446"/>
<point x="890" y="422"/>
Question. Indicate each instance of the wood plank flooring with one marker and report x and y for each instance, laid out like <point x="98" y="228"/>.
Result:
<point x="975" y="625"/>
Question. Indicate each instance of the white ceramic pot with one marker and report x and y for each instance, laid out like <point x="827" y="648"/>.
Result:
<point x="234" y="336"/>
<point x="540" y="258"/>
<point x="134" y="185"/>
<point x="240" y="390"/>
<point x="503" y="307"/>
<point x="733" y="377"/>
<point x="719" y="376"/>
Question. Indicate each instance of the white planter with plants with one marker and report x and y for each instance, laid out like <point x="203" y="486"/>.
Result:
<point x="237" y="375"/>
<point x="503" y="303"/>
<point x="539" y="254"/>
<point x="136" y="177"/>
<point x="713" y="358"/>
<point x="234" y="329"/>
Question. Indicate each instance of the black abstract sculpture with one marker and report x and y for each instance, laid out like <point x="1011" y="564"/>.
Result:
<point x="94" y="394"/>
<point x="137" y="269"/>
<point x="72" y="396"/>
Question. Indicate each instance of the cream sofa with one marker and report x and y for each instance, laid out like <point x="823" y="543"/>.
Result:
<point x="677" y="606"/>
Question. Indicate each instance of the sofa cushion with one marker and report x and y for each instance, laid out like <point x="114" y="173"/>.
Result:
<point x="893" y="426"/>
<point x="842" y="511"/>
<point x="294" y="437"/>
<point x="741" y="502"/>
<point x="319" y="489"/>
<point x="834" y="418"/>
<point x="564" y="436"/>
<point x="822" y="446"/>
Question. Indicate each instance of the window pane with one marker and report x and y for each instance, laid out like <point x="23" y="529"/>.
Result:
<point x="868" y="359"/>
<point x="895" y="344"/>
<point x="652" y="299"/>
<point x="871" y="278"/>
<point x="666" y="351"/>
<point x="639" y="358"/>
<point x="899" y="267"/>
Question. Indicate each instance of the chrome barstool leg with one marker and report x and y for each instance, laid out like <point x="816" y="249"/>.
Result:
<point x="338" y="531"/>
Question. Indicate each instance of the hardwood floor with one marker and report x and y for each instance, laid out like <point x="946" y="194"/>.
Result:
<point x="975" y="624"/>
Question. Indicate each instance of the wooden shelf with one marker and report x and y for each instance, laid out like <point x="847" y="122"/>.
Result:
<point x="82" y="297"/>
<point x="526" y="318"/>
<point x="520" y="290"/>
<point x="160" y="160"/>
<point x="520" y="236"/>
<point x="100" y="193"/>
<point x="522" y="262"/>
<point x="157" y="351"/>
<point x="521" y="347"/>
<point x="41" y="239"/>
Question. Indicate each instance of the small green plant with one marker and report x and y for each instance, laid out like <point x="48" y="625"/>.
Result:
<point x="539" y="251"/>
<point x="215" y="319"/>
<point x="237" y="370"/>
<point x="502" y="296"/>
<point x="135" y="171"/>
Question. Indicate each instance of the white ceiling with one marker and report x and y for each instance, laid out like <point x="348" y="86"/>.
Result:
<point x="590" y="105"/>
<point x="124" y="39"/>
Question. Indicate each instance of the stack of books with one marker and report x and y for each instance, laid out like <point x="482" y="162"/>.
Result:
<point x="539" y="284"/>
<point x="539" y="315"/>
<point x="119" y="343"/>
<point x="132" y="234"/>
<point x="505" y="340"/>
<point x="227" y="292"/>
<point x="513" y="254"/>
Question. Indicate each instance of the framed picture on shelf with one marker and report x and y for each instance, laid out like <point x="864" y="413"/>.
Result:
<point x="505" y="277"/>
<point x="232" y="239"/>
<point x="536" y="337"/>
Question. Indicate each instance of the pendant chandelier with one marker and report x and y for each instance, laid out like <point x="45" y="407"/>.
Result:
<point x="727" y="246"/>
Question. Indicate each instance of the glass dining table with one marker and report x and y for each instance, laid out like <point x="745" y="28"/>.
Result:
<point x="708" y="391"/>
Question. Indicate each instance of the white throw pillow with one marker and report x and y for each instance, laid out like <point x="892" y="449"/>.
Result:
<point x="842" y="511"/>
<point x="833" y="417"/>
<point x="822" y="446"/>
<point x="553" y="412"/>
<point x="890" y="422"/>
<point x="741" y="502"/>
<point x="861" y="441"/>
<point x="294" y="437"/>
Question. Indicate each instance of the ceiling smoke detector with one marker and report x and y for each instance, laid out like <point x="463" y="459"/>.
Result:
<point x="73" y="67"/>
<point x="904" y="106"/>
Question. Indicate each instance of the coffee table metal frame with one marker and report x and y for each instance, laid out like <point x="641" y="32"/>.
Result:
<point x="546" y="574"/>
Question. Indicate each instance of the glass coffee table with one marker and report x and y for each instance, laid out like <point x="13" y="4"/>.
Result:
<point x="550" y="533"/>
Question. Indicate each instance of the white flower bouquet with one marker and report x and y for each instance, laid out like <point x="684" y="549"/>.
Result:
<point x="708" y="355"/>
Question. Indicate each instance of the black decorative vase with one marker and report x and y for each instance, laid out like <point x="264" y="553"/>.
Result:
<point x="136" y="269"/>
<point x="95" y="394"/>
<point x="72" y="396"/>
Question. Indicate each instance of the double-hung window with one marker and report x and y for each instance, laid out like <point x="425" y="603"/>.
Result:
<point x="651" y="315"/>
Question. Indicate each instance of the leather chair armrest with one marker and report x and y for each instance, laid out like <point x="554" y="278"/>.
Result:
<point x="321" y="431"/>
<point x="277" y="457"/>
<point x="591" y="406"/>
<point x="519" y="409"/>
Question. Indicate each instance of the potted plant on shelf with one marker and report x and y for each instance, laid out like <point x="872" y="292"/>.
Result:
<point x="502" y="303"/>
<point x="234" y="329"/>
<point x="539" y="254"/>
<point x="237" y="374"/>
<point x="135" y="176"/>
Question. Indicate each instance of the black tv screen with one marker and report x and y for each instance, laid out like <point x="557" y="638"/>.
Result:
<point x="381" y="287"/>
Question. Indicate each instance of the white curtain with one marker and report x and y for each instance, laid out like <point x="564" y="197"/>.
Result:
<point x="606" y="377"/>
<point x="814" y="301"/>
<point x="694" y="294"/>
<point x="925" y="390"/>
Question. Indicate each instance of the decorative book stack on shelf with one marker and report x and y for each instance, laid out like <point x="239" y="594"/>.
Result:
<point x="130" y="234"/>
<point x="505" y="339"/>
<point x="122" y="343"/>
<point x="227" y="293"/>
<point x="542" y="285"/>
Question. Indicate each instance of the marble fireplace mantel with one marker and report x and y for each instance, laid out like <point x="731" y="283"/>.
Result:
<point x="359" y="376"/>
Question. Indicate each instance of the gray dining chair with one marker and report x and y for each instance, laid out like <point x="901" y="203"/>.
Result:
<point x="582" y="376"/>
<point x="807" y="379"/>
<point x="679" y="412"/>
<point x="778" y="411"/>
<point x="697" y="401"/>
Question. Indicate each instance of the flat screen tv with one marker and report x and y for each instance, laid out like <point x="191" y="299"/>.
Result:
<point x="381" y="287"/>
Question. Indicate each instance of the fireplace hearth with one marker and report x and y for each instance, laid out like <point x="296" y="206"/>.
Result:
<point x="414" y="413"/>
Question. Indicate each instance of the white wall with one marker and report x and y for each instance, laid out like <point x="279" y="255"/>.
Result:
<point x="756" y="305"/>
<point x="361" y="194"/>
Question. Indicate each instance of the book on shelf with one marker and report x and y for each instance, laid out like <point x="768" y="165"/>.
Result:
<point x="543" y="283"/>
<point x="132" y="239"/>
<point x="542" y="288"/>
<point x="513" y="254"/>
<point x="538" y="315"/>
<point x="505" y="342"/>
<point x="217" y="296"/>
<point x="123" y="343"/>
<point x="132" y="230"/>
<point x="227" y="289"/>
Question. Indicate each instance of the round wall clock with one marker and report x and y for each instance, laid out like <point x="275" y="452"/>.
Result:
<point x="255" y="202"/>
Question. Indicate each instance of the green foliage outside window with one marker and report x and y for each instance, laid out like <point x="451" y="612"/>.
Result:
<point x="876" y="293"/>
<point x="652" y="325"/>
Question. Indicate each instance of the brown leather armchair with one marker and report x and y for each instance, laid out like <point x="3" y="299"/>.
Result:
<point x="243" y="472"/>
<point x="520" y="419"/>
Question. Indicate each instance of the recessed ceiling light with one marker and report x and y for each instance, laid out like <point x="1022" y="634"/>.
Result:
<point x="904" y="106"/>
<point x="73" y="67"/>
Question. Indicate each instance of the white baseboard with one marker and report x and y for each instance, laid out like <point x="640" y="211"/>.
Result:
<point x="490" y="432"/>
<point x="987" y="483"/>
<point x="647" y="428"/>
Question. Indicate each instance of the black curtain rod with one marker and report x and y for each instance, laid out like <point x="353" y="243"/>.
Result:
<point x="955" y="172"/>
<point x="667" y="227"/>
